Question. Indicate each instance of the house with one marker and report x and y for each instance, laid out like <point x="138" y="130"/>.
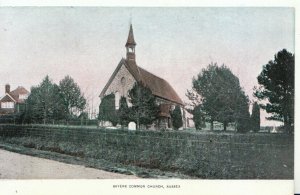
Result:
<point x="128" y="73"/>
<point x="13" y="101"/>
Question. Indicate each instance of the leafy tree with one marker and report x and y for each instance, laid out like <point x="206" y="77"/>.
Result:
<point x="255" y="117"/>
<point x="74" y="100"/>
<point x="124" y="112"/>
<point x="45" y="103"/>
<point x="144" y="109"/>
<point x="177" y="118"/>
<point x="107" y="111"/>
<point x="198" y="117"/>
<point x="218" y="92"/>
<point x="277" y="86"/>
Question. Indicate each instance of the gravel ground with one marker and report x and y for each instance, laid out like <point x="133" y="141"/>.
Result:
<point x="18" y="166"/>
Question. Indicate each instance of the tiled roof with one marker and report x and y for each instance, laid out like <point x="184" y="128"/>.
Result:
<point x="157" y="85"/>
<point x="15" y="95"/>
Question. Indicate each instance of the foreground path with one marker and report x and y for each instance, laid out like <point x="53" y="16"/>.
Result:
<point x="19" y="166"/>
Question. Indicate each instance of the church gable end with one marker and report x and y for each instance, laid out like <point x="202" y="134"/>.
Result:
<point x="121" y="82"/>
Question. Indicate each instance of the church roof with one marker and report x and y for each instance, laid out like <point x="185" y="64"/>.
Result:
<point x="130" y="40"/>
<point x="158" y="86"/>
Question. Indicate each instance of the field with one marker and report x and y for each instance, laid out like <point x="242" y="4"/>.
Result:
<point x="212" y="155"/>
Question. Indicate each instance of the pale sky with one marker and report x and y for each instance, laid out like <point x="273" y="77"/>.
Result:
<point x="87" y="43"/>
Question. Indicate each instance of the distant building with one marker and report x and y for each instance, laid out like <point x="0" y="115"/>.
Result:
<point x="128" y="73"/>
<point x="13" y="101"/>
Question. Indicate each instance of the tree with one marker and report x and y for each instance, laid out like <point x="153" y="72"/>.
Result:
<point x="107" y="111"/>
<point x="144" y="109"/>
<point x="255" y="117"/>
<point x="218" y="92"/>
<point x="74" y="100"/>
<point x="124" y="112"/>
<point x="243" y="121"/>
<point x="177" y="118"/>
<point x="276" y="86"/>
<point x="198" y="117"/>
<point x="45" y="103"/>
<point x="84" y="116"/>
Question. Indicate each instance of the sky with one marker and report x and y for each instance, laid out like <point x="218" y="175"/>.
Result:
<point x="87" y="43"/>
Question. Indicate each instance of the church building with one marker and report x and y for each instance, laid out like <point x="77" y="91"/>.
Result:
<point x="128" y="73"/>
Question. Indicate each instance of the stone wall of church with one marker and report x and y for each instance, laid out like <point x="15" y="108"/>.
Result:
<point x="122" y="83"/>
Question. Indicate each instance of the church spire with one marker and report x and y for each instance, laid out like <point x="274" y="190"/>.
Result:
<point x="130" y="45"/>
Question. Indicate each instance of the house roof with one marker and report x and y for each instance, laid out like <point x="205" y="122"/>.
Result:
<point x="158" y="86"/>
<point x="14" y="95"/>
<point x="8" y="98"/>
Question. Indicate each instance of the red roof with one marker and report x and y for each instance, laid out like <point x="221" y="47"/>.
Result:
<point x="157" y="85"/>
<point x="15" y="94"/>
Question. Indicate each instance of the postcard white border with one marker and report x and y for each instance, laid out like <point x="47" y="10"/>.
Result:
<point x="208" y="187"/>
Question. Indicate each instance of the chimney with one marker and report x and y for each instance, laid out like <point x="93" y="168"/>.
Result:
<point x="7" y="88"/>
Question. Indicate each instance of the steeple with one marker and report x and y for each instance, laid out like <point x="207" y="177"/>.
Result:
<point x="130" y="45"/>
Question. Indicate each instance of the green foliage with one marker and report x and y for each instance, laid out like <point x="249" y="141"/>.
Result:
<point x="276" y="85"/>
<point x="107" y="111"/>
<point x="144" y="109"/>
<point x="45" y="103"/>
<point x="203" y="155"/>
<point x="218" y="92"/>
<point x="48" y="102"/>
<point x="198" y="117"/>
<point x="255" y="117"/>
<point x="243" y="121"/>
<point x="177" y="118"/>
<point x="73" y="99"/>
<point x="124" y="112"/>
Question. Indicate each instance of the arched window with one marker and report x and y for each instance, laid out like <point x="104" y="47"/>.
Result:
<point x="131" y="50"/>
<point x="123" y="81"/>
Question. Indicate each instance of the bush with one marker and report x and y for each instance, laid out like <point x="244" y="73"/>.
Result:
<point x="204" y="155"/>
<point x="107" y="111"/>
<point x="255" y="117"/>
<point x="199" y="118"/>
<point x="177" y="118"/>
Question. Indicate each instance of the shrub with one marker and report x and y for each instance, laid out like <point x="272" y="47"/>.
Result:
<point x="177" y="118"/>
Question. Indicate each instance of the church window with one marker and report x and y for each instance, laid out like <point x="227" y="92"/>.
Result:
<point x="123" y="81"/>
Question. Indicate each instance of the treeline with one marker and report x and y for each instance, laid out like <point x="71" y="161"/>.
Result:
<point x="216" y="95"/>
<point x="49" y="102"/>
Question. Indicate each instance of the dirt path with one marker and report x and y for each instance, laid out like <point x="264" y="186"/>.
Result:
<point x="18" y="166"/>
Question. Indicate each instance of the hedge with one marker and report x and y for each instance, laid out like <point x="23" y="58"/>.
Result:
<point x="200" y="154"/>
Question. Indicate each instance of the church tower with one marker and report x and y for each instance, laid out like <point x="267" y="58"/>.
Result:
<point x="130" y="46"/>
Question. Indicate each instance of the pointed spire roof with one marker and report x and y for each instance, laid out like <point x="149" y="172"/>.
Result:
<point x="130" y="40"/>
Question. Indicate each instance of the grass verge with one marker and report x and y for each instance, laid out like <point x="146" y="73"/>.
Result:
<point x="91" y="162"/>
